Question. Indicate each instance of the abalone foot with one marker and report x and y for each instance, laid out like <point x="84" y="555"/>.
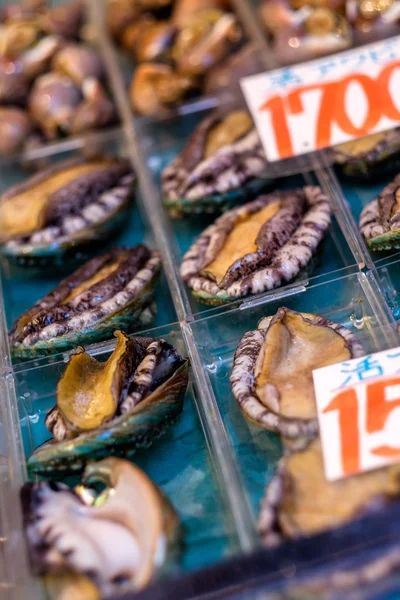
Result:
<point x="216" y="203"/>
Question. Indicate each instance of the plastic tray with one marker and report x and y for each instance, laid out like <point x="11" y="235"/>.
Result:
<point x="212" y="463"/>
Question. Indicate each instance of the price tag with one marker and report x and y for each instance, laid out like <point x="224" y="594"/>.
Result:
<point x="327" y="101"/>
<point x="358" y="404"/>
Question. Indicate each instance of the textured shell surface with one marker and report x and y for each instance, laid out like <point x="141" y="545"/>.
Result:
<point x="108" y="292"/>
<point x="123" y="555"/>
<point x="222" y="164"/>
<point x="380" y="218"/>
<point x="257" y="247"/>
<point x="63" y="208"/>
<point x="271" y="376"/>
<point x="113" y="407"/>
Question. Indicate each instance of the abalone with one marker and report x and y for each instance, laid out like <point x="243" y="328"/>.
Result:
<point x="113" y="407"/>
<point x="271" y="377"/>
<point x="380" y="219"/>
<point x="223" y="163"/>
<point x="100" y="543"/>
<point x="258" y="246"/>
<point x="63" y="208"/>
<point x="371" y="156"/>
<point x="111" y="291"/>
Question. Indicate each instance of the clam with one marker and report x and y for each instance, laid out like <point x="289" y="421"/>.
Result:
<point x="13" y="83"/>
<point x="380" y="218"/>
<point x="299" y="501"/>
<point x="156" y="87"/>
<point x="222" y="164"/>
<point x="96" y="109"/>
<point x="112" y="407"/>
<point x="111" y="291"/>
<point x="313" y="30"/>
<point x="185" y="10"/>
<point x="53" y="102"/>
<point x="206" y="40"/>
<point x="65" y="20"/>
<point x="15" y="130"/>
<point x="369" y="156"/>
<point x="78" y="62"/>
<point x="227" y="74"/>
<point x="89" y="544"/>
<point x="271" y="377"/>
<point x="64" y="207"/>
<point x="148" y="39"/>
<point x="258" y="246"/>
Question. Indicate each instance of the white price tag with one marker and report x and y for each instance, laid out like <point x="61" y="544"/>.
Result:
<point x="358" y="404"/>
<point x="327" y="101"/>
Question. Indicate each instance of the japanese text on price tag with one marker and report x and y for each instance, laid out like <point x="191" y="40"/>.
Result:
<point x="358" y="403"/>
<point x="326" y="101"/>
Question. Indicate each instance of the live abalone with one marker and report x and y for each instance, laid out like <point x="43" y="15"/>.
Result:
<point x="88" y="544"/>
<point x="380" y="219"/>
<point x="222" y="164"/>
<point x="371" y="156"/>
<point x="64" y="207"/>
<point x="300" y="501"/>
<point x="272" y="369"/>
<point x="258" y="246"/>
<point x="111" y="291"/>
<point x="112" y="407"/>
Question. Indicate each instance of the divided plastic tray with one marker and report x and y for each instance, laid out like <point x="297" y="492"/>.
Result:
<point x="213" y="464"/>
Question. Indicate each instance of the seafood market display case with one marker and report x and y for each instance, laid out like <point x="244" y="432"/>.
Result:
<point x="158" y="278"/>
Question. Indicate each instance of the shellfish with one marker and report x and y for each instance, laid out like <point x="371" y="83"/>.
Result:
<point x="380" y="219"/>
<point x="15" y="130"/>
<point x="258" y="246"/>
<point x="114" y="407"/>
<point x="66" y="206"/>
<point x="299" y="501"/>
<point x="100" y="543"/>
<point x="222" y="163"/>
<point x="108" y="292"/>
<point x="367" y="157"/>
<point x="271" y="377"/>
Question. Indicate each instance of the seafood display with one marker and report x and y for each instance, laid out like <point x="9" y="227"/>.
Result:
<point x="222" y="164"/>
<point x="271" y="377"/>
<point x="380" y="219"/>
<point x="176" y="46"/>
<point x="306" y="29"/>
<point x="112" y="407"/>
<point x="69" y="205"/>
<point x="51" y="82"/>
<point x="370" y="156"/>
<point x="111" y="291"/>
<point x="258" y="246"/>
<point x="89" y="544"/>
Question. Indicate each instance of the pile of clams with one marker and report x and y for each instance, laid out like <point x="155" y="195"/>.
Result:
<point x="306" y="29"/>
<point x="258" y="246"/>
<point x="222" y="164"/>
<point x="51" y="83"/>
<point x="380" y="218"/>
<point x="112" y="291"/>
<point x="112" y="407"/>
<point x="89" y="545"/>
<point x="272" y="381"/>
<point x="64" y="208"/>
<point x="177" y="46"/>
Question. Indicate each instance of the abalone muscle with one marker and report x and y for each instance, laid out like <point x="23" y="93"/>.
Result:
<point x="114" y="290"/>
<point x="370" y="156"/>
<point x="299" y="501"/>
<point x="272" y="369"/>
<point x="380" y="219"/>
<point x="222" y="164"/>
<point x="104" y="543"/>
<point x="112" y="407"/>
<point x="257" y="247"/>
<point x="64" y="207"/>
